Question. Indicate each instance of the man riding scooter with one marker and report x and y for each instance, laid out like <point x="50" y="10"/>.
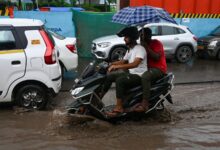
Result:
<point x="88" y="90"/>
<point x="134" y="62"/>
<point x="157" y="68"/>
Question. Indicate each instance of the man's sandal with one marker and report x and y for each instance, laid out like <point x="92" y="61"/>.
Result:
<point x="114" y="113"/>
<point x="140" y="108"/>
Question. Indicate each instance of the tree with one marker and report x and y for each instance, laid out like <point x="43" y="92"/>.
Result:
<point x="19" y="4"/>
<point x="78" y="2"/>
<point x="34" y="4"/>
<point x="73" y="2"/>
<point x="88" y="1"/>
<point x="111" y="1"/>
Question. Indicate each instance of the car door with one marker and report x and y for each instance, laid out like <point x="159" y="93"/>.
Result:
<point x="12" y="59"/>
<point x="170" y="38"/>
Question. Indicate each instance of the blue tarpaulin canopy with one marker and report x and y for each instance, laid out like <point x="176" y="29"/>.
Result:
<point x="142" y="15"/>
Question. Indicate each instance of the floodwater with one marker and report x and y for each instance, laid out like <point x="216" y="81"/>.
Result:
<point x="191" y="123"/>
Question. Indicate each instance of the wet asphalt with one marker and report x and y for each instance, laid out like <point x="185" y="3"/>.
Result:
<point x="191" y="123"/>
<point x="194" y="71"/>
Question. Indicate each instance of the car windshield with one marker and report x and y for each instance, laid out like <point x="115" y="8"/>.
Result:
<point x="216" y="31"/>
<point x="56" y="35"/>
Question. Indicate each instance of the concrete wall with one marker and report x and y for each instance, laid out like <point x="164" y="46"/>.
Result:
<point x="60" y="22"/>
<point x="199" y="27"/>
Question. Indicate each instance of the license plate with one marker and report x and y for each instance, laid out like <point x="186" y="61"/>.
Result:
<point x="200" y="47"/>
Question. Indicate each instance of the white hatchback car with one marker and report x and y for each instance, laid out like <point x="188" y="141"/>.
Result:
<point x="178" y="41"/>
<point x="68" y="57"/>
<point x="30" y="71"/>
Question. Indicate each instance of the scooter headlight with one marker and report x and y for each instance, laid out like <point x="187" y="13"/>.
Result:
<point x="77" y="90"/>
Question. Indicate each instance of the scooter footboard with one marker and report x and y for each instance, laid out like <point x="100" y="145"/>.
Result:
<point x="91" y="103"/>
<point x="99" y="113"/>
<point x="95" y="106"/>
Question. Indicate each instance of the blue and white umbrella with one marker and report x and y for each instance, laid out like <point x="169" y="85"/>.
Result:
<point x="142" y="15"/>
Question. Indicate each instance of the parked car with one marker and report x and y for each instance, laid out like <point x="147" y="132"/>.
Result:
<point x="30" y="71"/>
<point x="178" y="42"/>
<point x="68" y="57"/>
<point x="209" y="45"/>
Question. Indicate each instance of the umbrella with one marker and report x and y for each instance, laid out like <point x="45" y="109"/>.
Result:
<point x="142" y="15"/>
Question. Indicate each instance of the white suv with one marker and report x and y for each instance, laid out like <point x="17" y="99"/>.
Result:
<point x="177" y="40"/>
<point x="30" y="71"/>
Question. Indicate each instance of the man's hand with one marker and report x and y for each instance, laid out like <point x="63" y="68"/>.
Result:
<point x="134" y="64"/>
<point x="112" y="68"/>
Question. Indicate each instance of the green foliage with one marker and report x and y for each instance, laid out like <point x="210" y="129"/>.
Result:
<point x="102" y="8"/>
<point x="90" y="7"/>
<point x="56" y="3"/>
<point x="43" y="4"/>
<point x="112" y="1"/>
<point x="53" y="4"/>
<point x="3" y="4"/>
<point x="73" y="2"/>
<point x="96" y="8"/>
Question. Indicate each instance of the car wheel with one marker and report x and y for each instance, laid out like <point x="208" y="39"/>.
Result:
<point x="184" y="54"/>
<point x="31" y="97"/>
<point x="117" y="53"/>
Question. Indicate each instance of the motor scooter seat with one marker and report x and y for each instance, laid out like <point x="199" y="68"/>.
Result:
<point x="161" y="82"/>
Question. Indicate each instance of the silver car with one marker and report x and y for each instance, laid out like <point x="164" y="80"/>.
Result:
<point x="178" y="42"/>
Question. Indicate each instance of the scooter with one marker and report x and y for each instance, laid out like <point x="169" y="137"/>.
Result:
<point x="87" y="100"/>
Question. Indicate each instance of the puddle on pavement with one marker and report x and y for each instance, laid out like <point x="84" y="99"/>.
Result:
<point x="198" y="136"/>
<point x="54" y="129"/>
<point x="79" y="126"/>
<point x="192" y="125"/>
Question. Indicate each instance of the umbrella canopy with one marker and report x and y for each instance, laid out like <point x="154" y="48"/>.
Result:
<point x="142" y="15"/>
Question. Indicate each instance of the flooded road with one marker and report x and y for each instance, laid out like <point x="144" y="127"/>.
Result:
<point x="195" y="71"/>
<point x="191" y="123"/>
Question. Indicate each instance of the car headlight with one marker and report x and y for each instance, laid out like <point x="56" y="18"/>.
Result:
<point x="212" y="44"/>
<point x="104" y="44"/>
<point x="77" y="90"/>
